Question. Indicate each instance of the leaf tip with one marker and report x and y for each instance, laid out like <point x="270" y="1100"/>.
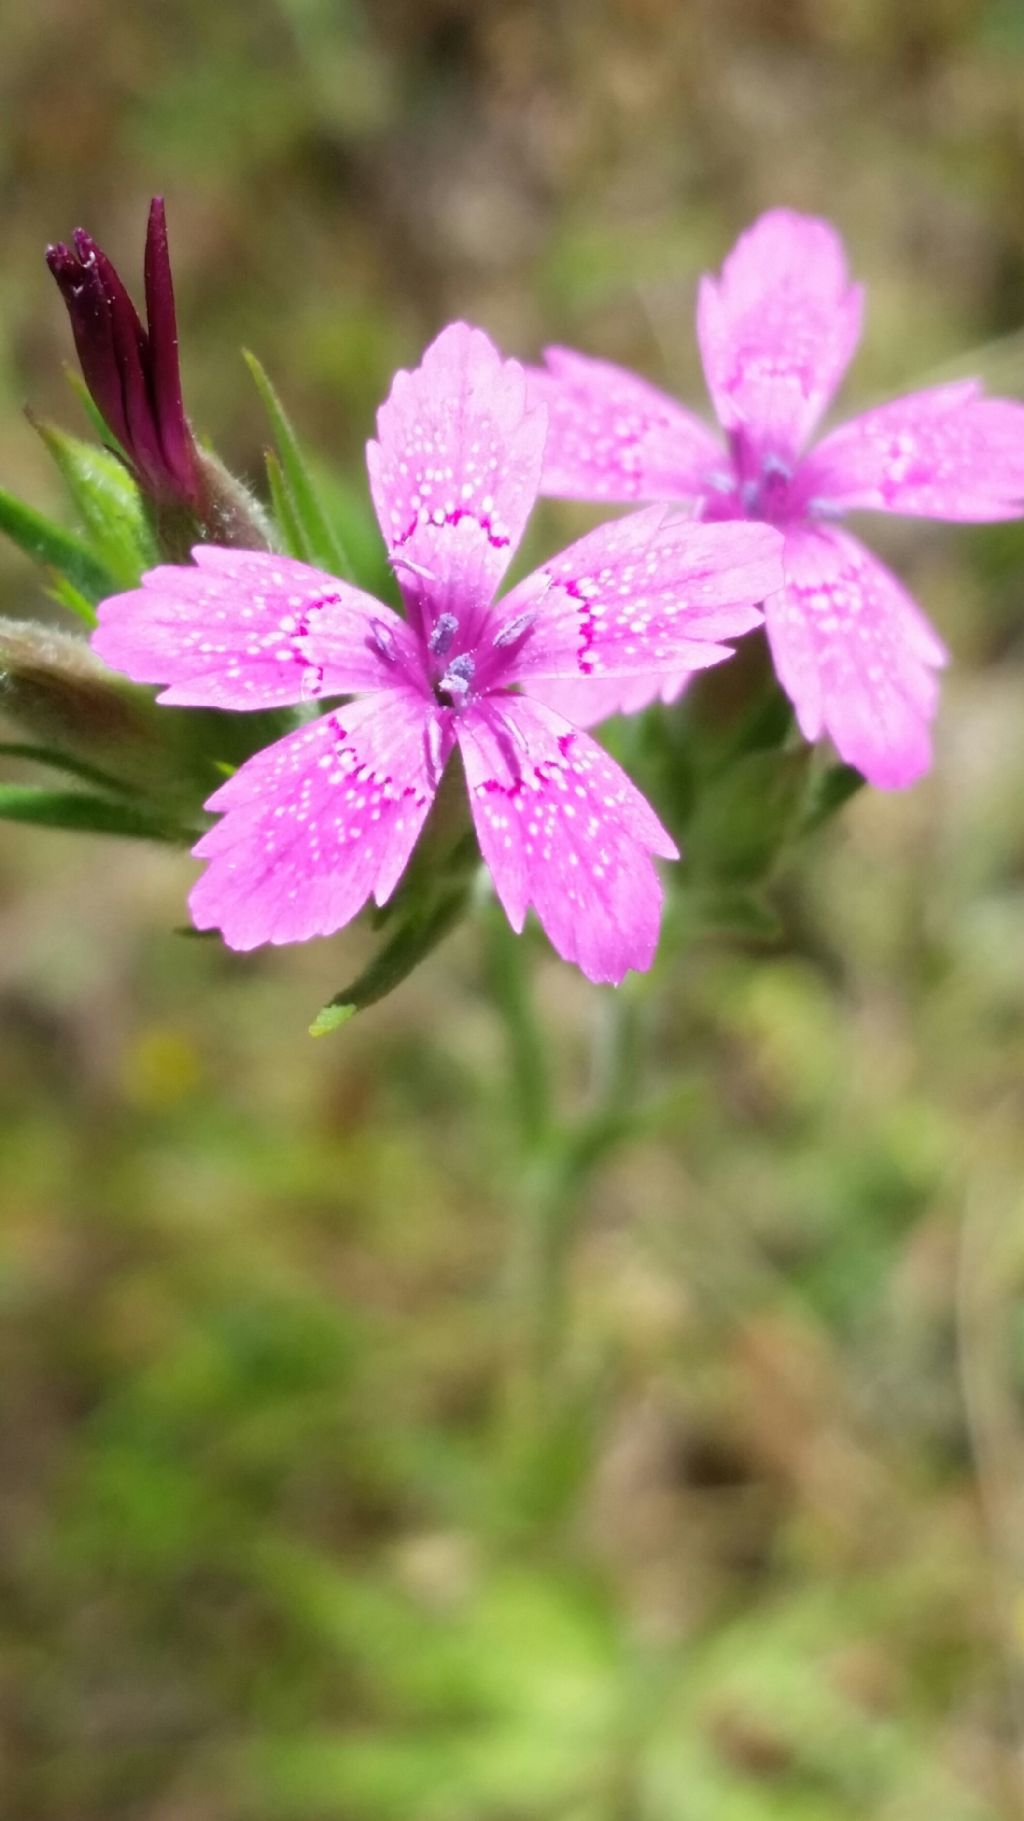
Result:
<point x="331" y="1018"/>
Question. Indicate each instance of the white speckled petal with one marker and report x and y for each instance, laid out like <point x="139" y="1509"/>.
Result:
<point x="455" y="472"/>
<point x="947" y="453"/>
<point x="856" y="655"/>
<point x="317" y="823"/>
<point x="245" y="629"/>
<point x="562" y="828"/>
<point x="777" y="329"/>
<point x="588" y="703"/>
<point x="647" y="594"/>
<point x="611" y="436"/>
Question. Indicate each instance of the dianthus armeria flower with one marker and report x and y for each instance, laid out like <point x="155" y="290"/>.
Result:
<point x="777" y="331"/>
<point x="316" y="824"/>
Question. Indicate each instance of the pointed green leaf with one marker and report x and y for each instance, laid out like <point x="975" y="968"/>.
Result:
<point x="288" y="526"/>
<point x="67" y="595"/>
<point x="109" y="502"/>
<point x="72" y="809"/>
<point x="99" y="424"/>
<point x="320" y="541"/>
<point x="411" y="943"/>
<point x="827" y="795"/>
<point x="48" y="543"/>
<point x="63" y="761"/>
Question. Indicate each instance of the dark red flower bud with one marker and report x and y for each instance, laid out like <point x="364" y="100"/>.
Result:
<point x="132" y="372"/>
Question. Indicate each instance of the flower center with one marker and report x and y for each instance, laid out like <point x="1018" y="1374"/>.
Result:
<point x="758" y="484"/>
<point x="456" y="675"/>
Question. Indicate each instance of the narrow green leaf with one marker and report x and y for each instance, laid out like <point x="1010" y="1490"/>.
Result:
<point x="411" y="943"/>
<point x="63" y="761"/>
<point x="92" y="411"/>
<point x="48" y="543"/>
<point x="67" y="595"/>
<point x="827" y="795"/>
<point x="284" y="509"/>
<point x="72" y="809"/>
<point x="332" y="1018"/>
<point x="320" y="541"/>
<point x="108" y="500"/>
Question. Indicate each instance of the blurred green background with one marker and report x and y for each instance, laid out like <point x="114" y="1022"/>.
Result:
<point x="306" y="1513"/>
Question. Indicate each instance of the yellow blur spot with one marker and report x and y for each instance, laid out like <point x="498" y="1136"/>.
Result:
<point x="162" y="1068"/>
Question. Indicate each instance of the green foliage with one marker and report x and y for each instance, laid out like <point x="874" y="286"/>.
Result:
<point x="830" y="790"/>
<point x="313" y="1507"/>
<point x="303" y="520"/>
<point x="46" y="542"/>
<point x="416" y="937"/>
<point x="76" y="811"/>
<point x="108" y="502"/>
<point x="61" y="761"/>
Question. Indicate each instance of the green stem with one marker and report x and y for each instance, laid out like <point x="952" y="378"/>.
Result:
<point x="528" y="1073"/>
<point x="555" y="1164"/>
<point x="567" y="1172"/>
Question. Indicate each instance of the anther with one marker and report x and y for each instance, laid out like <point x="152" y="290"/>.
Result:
<point x="434" y="747"/>
<point x="406" y="562"/>
<point x="458" y="676"/>
<point x="382" y="638"/>
<point x="514" y="629"/>
<point x="440" y="640"/>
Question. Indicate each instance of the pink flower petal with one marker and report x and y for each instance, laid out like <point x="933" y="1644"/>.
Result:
<point x="856" y="655"/>
<point x="561" y="827"/>
<point x="238" y="632"/>
<point x="587" y="704"/>
<point x="455" y="472"/>
<point x="946" y="453"/>
<point x="611" y="436"/>
<point x="653" y="592"/>
<point x="318" y="822"/>
<point x="777" y="330"/>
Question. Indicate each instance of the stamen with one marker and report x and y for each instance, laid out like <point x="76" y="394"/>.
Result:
<point x="514" y="629"/>
<point x="434" y="746"/>
<point x="382" y="638"/>
<point x="440" y="640"/>
<point x="406" y="562"/>
<point x="458" y="676"/>
<point x="774" y="468"/>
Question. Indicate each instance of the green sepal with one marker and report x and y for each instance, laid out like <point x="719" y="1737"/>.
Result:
<point x="411" y="943"/>
<point x="74" y="810"/>
<point x="101" y="429"/>
<point x="320" y="543"/>
<point x="108" y="501"/>
<point x="48" y="543"/>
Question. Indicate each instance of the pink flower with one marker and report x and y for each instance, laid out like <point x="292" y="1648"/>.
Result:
<point x="316" y="824"/>
<point x="776" y="332"/>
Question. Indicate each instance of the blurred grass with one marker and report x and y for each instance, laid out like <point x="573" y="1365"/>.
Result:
<point x="276" y="1543"/>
